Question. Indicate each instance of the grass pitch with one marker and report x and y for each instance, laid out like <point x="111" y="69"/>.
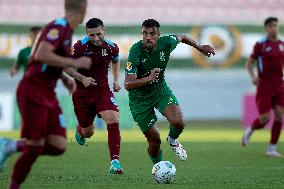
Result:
<point x="216" y="160"/>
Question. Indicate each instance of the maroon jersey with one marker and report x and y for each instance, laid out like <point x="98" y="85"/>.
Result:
<point x="270" y="59"/>
<point x="40" y="76"/>
<point x="101" y="57"/>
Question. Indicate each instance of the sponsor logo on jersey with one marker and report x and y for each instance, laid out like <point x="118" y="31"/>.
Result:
<point x="104" y="52"/>
<point x="162" y="56"/>
<point x="128" y="66"/>
<point x="53" y="34"/>
<point x="267" y="49"/>
<point x="281" y="47"/>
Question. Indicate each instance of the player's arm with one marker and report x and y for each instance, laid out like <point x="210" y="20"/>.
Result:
<point x="249" y="64"/>
<point x="16" y="66"/>
<point x="86" y="81"/>
<point x="115" y="68"/>
<point x="68" y="83"/>
<point x="131" y="81"/>
<point x="45" y="54"/>
<point x="207" y="50"/>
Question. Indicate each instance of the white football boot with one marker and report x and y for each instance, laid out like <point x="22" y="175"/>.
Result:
<point x="246" y="136"/>
<point x="177" y="148"/>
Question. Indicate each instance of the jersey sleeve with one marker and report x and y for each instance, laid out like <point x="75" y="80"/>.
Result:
<point x="20" y="59"/>
<point x="256" y="51"/>
<point x="172" y="41"/>
<point x="77" y="50"/>
<point x="133" y="61"/>
<point x="115" y="53"/>
<point x="54" y="34"/>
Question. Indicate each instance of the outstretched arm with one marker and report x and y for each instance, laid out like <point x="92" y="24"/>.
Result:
<point x="207" y="50"/>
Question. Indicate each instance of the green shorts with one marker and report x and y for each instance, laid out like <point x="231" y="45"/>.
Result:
<point x="142" y="110"/>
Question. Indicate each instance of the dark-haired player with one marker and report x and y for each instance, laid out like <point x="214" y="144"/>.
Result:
<point x="24" y="54"/>
<point x="43" y="124"/>
<point x="148" y="89"/>
<point x="93" y="95"/>
<point x="269" y="55"/>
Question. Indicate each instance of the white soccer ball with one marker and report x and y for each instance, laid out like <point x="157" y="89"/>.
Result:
<point x="164" y="172"/>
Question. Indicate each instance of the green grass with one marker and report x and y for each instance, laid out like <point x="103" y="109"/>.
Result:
<point x="216" y="160"/>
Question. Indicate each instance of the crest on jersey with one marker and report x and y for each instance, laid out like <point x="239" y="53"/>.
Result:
<point x="129" y="66"/>
<point x="281" y="48"/>
<point x="104" y="52"/>
<point x="53" y="34"/>
<point x="162" y="56"/>
<point x="226" y="40"/>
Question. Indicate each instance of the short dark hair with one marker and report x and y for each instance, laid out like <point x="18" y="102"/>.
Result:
<point x="270" y="20"/>
<point x="150" y="23"/>
<point x="74" y="5"/>
<point x="35" y="29"/>
<point x="94" y="23"/>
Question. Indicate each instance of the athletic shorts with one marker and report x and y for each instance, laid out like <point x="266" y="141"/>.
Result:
<point x="86" y="108"/>
<point x="143" y="110"/>
<point x="39" y="120"/>
<point x="265" y="102"/>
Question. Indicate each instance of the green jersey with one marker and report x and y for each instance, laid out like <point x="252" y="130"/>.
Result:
<point x="23" y="58"/>
<point x="142" y="61"/>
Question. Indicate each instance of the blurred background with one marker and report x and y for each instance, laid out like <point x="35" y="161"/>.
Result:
<point x="208" y="89"/>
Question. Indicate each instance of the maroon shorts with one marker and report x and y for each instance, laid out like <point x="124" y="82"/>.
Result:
<point x="87" y="107"/>
<point x="265" y="102"/>
<point x="39" y="120"/>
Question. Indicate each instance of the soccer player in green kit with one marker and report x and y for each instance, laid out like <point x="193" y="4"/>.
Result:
<point x="24" y="54"/>
<point x="148" y="89"/>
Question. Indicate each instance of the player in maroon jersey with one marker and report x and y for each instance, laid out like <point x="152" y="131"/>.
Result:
<point x="269" y="54"/>
<point x="43" y="124"/>
<point x="93" y="95"/>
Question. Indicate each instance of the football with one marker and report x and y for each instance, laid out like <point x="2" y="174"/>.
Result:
<point x="164" y="172"/>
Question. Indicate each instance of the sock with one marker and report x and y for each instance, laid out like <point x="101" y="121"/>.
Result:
<point x="257" y="125"/>
<point x="23" y="165"/>
<point x="16" y="146"/>
<point x="174" y="132"/>
<point x="13" y="185"/>
<point x="114" y="140"/>
<point x="158" y="158"/>
<point x="271" y="147"/>
<point x="79" y="130"/>
<point x="171" y="140"/>
<point x="275" y="132"/>
<point x="52" y="150"/>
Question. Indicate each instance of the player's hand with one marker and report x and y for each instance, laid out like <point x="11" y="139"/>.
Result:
<point x="84" y="62"/>
<point x="89" y="81"/>
<point x="116" y="86"/>
<point x="13" y="72"/>
<point x="154" y="74"/>
<point x="70" y="84"/>
<point x="255" y="80"/>
<point x="207" y="50"/>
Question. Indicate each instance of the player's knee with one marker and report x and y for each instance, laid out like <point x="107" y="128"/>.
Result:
<point x="88" y="133"/>
<point x="113" y="118"/>
<point x="177" y="123"/>
<point x="54" y="150"/>
<point x="264" y="119"/>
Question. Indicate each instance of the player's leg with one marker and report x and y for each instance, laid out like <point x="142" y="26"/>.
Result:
<point x="34" y="148"/>
<point x="168" y="105"/>
<point x="154" y="144"/>
<point x="111" y="119"/>
<point x="174" y="116"/>
<point x="264" y="105"/>
<point x="108" y="110"/>
<point x="9" y="147"/>
<point x="275" y="131"/>
<point x="56" y="133"/>
<point x="85" y="128"/>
